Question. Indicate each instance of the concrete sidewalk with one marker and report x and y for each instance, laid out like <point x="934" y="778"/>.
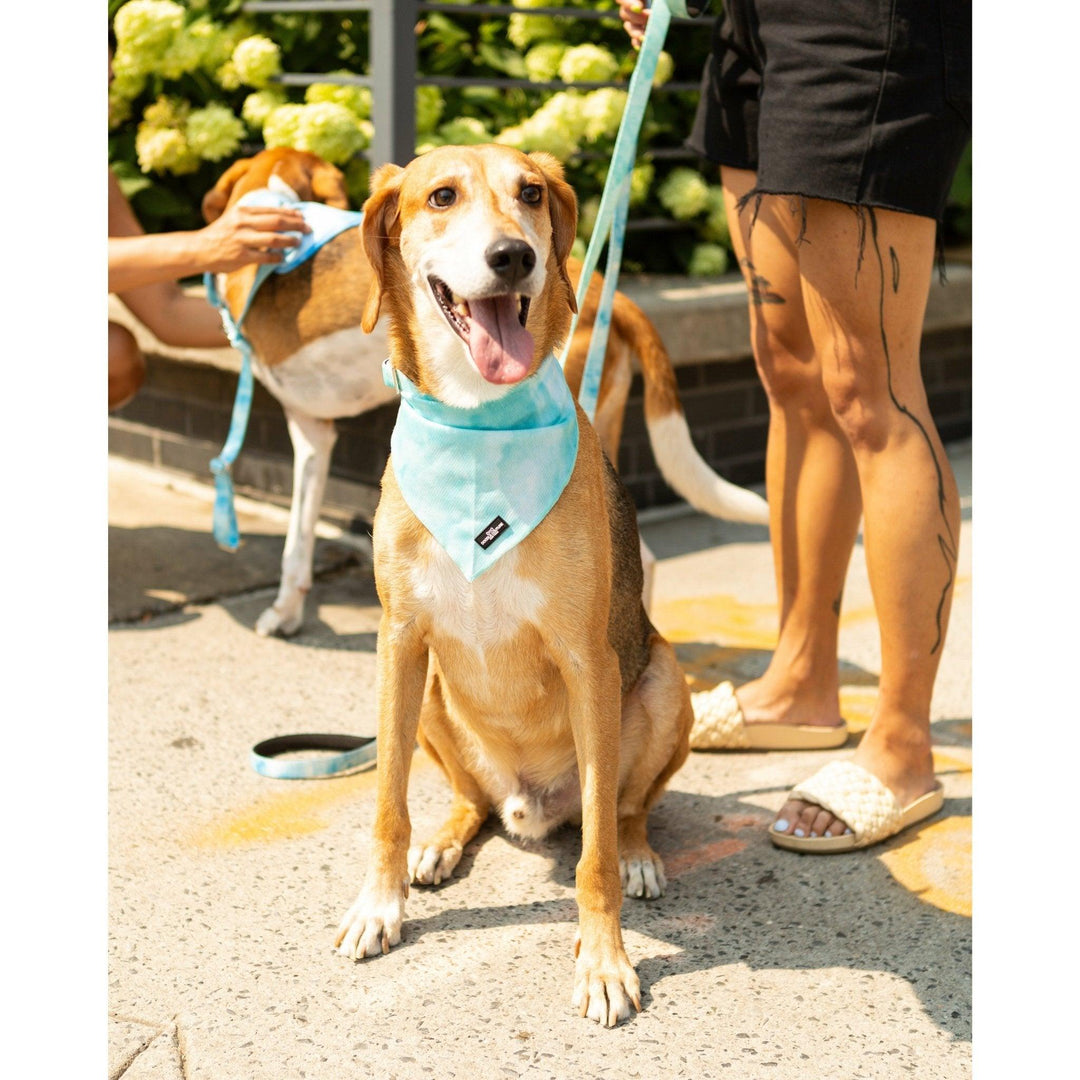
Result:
<point x="226" y="887"/>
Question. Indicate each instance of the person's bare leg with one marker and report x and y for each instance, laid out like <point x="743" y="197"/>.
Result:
<point x="810" y="474"/>
<point x="866" y="276"/>
<point x="127" y="368"/>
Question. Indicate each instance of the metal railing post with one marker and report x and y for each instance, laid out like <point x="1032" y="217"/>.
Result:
<point x="393" y="81"/>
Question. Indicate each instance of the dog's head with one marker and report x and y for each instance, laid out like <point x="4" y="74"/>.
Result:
<point x="294" y="173"/>
<point x="469" y="246"/>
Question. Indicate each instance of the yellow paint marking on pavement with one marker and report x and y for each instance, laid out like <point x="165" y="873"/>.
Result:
<point x="936" y="864"/>
<point x="717" y="617"/>
<point x="293" y="808"/>
<point x="949" y="763"/>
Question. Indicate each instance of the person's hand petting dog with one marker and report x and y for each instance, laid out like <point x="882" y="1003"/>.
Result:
<point x="242" y="235"/>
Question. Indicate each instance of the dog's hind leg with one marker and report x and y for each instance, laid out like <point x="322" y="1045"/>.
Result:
<point x="434" y="860"/>
<point x="313" y="442"/>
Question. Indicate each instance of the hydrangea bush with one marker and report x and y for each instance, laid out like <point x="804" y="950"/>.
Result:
<point x="194" y="88"/>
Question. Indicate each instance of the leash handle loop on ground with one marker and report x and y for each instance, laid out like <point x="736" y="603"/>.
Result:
<point x="615" y="200"/>
<point x="354" y="752"/>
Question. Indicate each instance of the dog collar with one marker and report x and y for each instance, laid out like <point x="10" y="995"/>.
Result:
<point x="481" y="479"/>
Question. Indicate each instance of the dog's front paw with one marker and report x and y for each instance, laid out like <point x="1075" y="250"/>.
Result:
<point x="283" y="619"/>
<point x="372" y="925"/>
<point x="430" y="864"/>
<point x="642" y="875"/>
<point x="606" y="989"/>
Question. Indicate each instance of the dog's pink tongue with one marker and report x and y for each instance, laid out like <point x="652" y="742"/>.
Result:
<point x="501" y="347"/>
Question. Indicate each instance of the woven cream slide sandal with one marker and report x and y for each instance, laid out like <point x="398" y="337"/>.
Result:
<point x="860" y="800"/>
<point x="719" y="725"/>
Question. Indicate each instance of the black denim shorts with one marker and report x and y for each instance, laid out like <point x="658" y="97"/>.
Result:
<point x="865" y="102"/>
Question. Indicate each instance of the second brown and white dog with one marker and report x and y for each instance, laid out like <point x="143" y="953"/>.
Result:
<point x="540" y="686"/>
<point x="312" y="355"/>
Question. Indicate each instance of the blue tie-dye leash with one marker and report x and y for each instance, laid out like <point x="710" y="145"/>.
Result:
<point x="325" y="223"/>
<point x="611" y="218"/>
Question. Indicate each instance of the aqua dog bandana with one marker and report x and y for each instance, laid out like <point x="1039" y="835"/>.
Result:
<point x="325" y="223"/>
<point x="480" y="480"/>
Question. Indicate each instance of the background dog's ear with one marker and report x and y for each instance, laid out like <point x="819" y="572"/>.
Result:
<point x="217" y="198"/>
<point x="328" y="186"/>
<point x="380" y="214"/>
<point x="562" y="204"/>
<point x="310" y="178"/>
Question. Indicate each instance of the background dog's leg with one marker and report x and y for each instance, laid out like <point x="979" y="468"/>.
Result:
<point x="373" y="923"/>
<point x="313" y="442"/>
<point x="606" y="987"/>
<point x="435" y="860"/>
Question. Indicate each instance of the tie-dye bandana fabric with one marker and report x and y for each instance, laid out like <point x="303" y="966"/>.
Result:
<point x="480" y="480"/>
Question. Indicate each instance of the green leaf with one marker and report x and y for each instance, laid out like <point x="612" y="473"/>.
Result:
<point x="502" y="59"/>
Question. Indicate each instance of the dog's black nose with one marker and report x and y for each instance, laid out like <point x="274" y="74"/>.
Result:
<point x="512" y="260"/>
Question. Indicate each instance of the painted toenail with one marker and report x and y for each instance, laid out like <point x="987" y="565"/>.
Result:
<point x="847" y="832"/>
<point x="813" y="833"/>
<point x="799" y="832"/>
<point x="781" y="825"/>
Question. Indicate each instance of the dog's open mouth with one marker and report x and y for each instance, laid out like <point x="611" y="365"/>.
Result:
<point x="493" y="328"/>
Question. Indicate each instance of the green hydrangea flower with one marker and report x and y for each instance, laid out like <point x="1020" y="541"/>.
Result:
<point x="183" y="54"/>
<point x="213" y="132"/>
<point x="557" y="127"/>
<point x="707" y="260"/>
<point x="524" y="30"/>
<point x="684" y="194"/>
<point x="587" y="63"/>
<point x="465" y="131"/>
<point x="166" y="112"/>
<point x="542" y="61"/>
<point x="256" y="60"/>
<point x="282" y="126"/>
<point x="259" y="104"/>
<point x="357" y="99"/>
<point x="603" y="110"/>
<point x="161" y="149"/>
<point x="429" y="107"/>
<point x="331" y="131"/>
<point x="144" y="31"/>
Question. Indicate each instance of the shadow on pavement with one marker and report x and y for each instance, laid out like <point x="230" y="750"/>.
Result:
<point x="732" y="898"/>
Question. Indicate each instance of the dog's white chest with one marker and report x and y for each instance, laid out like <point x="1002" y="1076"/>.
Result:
<point x="481" y="613"/>
<point x="337" y="375"/>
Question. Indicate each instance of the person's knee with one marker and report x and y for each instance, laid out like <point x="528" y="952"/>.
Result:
<point x="785" y="361"/>
<point x="127" y="368"/>
<point x="858" y="394"/>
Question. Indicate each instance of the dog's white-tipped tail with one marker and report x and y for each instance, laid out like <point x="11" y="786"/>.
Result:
<point x="679" y="462"/>
<point x="689" y="474"/>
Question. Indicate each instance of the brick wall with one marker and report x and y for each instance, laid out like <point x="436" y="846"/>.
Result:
<point x="181" y="416"/>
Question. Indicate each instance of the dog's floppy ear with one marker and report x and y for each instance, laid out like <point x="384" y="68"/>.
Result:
<point x="217" y="198"/>
<point x="328" y="186"/>
<point x="380" y="214"/>
<point x="311" y="178"/>
<point x="562" y="205"/>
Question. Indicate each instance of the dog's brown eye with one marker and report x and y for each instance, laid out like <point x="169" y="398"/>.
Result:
<point x="531" y="193"/>
<point x="443" y="197"/>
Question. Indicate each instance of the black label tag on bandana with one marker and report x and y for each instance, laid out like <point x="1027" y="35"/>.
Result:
<point x="491" y="533"/>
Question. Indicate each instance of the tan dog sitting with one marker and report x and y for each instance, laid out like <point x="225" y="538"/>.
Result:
<point x="538" y="685"/>
<point x="312" y="355"/>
